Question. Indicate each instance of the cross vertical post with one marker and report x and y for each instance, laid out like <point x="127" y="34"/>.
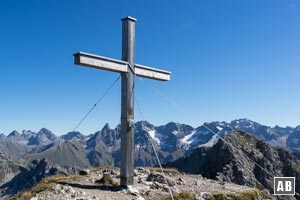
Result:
<point x="127" y="103"/>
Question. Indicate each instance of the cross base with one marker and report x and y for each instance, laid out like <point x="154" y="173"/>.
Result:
<point x="126" y="180"/>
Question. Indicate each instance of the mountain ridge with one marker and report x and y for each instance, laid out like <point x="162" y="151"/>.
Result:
<point x="146" y="122"/>
<point x="172" y="140"/>
<point x="242" y="159"/>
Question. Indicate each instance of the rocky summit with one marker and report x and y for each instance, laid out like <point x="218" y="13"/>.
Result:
<point x="149" y="184"/>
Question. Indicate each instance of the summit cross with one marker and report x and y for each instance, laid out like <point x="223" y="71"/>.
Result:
<point x="128" y="70"/>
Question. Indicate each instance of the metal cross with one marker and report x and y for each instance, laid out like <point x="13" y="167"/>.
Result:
<point x="128" y="70"/>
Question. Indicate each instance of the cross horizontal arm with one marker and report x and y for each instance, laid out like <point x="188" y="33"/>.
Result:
<point x="110" y="64"/>
<point x="100" y="62"/>
<point x="152" y="73"/>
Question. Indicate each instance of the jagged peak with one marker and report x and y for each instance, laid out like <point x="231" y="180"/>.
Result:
<point x="244" y="120"/>
<point x="175" y="125"/>
<point x="172" y="123"/>
<point x="72" y="134"/>
<point x="49" y="134"/>
<point x="13" y="133"/>
<point x="27" y="132"/>
<point x="106" y="127"/>
<point x="144" y="125"/>
<point x="143" y="122"/>
<point x="44" y="130"/>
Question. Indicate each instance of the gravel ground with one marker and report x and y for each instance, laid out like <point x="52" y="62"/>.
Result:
<point x="149" y="184"/>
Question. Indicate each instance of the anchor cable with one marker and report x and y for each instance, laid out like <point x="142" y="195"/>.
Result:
<point x="154" y="149"/>
<point x="97" y="102"/>
<point x="159" y="93"/>
<point x="173" y="103"/>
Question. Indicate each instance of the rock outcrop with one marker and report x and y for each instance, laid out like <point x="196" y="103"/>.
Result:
<point x="31" y="175"/>
<point x="242" y="159"/>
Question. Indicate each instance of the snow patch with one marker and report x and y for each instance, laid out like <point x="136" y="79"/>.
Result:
<point x="219" y="128"/>
<point x="87" y="138"/>
<point x="211" y="142"/>
<point x="174" y="132"/>
<point x="152" y="135"/>
<point x="186" y="138"/>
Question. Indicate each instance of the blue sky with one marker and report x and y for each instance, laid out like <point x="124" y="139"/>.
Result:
<point x="229" y="59"/>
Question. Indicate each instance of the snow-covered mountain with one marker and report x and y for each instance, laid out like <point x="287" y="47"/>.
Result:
<point x="172" y="140"/>
<point x="174" y="136"/>
<point x="263" y="132"/>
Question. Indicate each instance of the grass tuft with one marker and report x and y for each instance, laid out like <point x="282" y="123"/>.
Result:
<point x="172" y="171"/>
<point x="183" y="196"/>
<point x="101" y="168"/>
<point x="246" y="195"/>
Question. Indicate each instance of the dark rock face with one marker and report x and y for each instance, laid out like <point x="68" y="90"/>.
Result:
<point x="232" y="159"/>
<point x="101" y="146"/>
<point x="283" y="131"/>
<point x="9" y="167"/>
<point x="14" y="135"/>
<point x="13" y="148"/>
<point x="293" y="139"/>
<point x="2" y="136"/>
<point x="64" y="153"/>
<point x="31" y="175"/>
<point x="99" y="155"/>
<point x="106" y="136"/>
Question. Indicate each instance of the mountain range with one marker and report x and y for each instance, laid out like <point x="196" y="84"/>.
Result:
<point x="172" y="141"/>
<point x="177" y="145"/>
